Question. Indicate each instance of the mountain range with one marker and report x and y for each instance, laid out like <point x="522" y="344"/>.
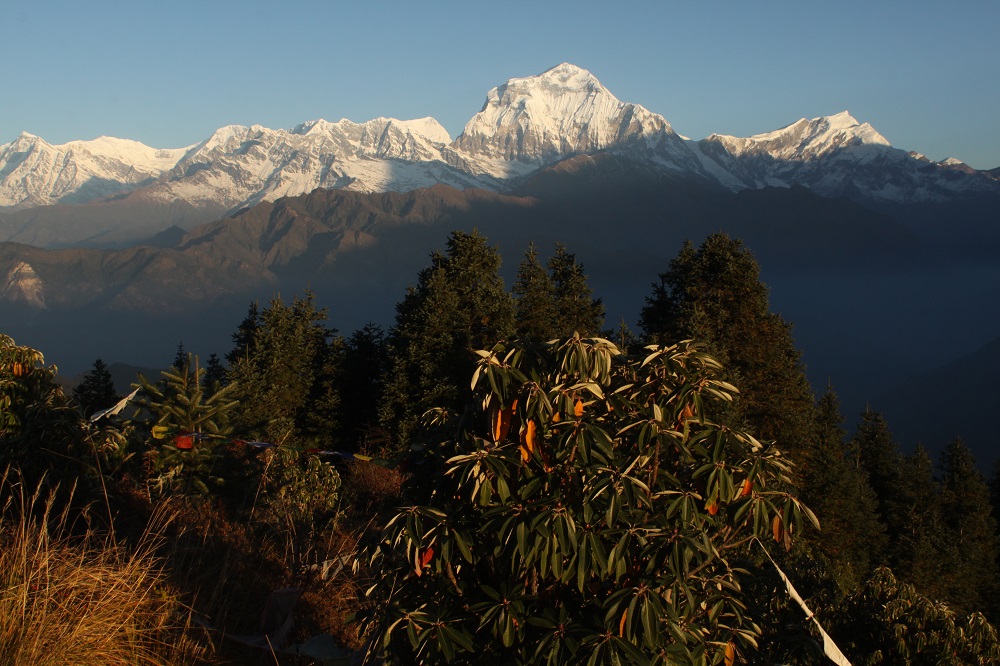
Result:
<point x="526" y="125"/>
<point x="885" y="261"/>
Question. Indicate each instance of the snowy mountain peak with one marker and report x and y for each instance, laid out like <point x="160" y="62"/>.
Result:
<point x="820" y="135"/>
<point x="805" y="139"/>
<point x="22" y="144"/>
<point x="563" y="78"/>
<point x="561" y="111"/>
<point x="427" y="127"/>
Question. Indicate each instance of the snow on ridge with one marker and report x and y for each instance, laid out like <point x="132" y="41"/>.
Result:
<point x="153" y="160"/>
<point x="427" y="127"/>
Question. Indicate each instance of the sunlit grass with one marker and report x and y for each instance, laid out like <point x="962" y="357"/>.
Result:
<point x="74" y="596"/>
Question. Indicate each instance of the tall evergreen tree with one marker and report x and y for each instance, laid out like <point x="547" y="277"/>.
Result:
<point x="97" y="389"/>
<point x="285" y="376"/>
<point x="243" y="338"/>
<point x="714" y="295"/>
<point x="366" y="361"/>
<point x="970" y="554"/>
<point x="876" y="453"/>
<point x="534" y="299"/>
<point x="178" y="457"/>
<point x="181" y="358"/>
<point x="214" y="376"/>
<point x="852" y="538"/>
<point x="577" y="311"/>
<point x="914" y="521"/>
<point x="459" y="304"/>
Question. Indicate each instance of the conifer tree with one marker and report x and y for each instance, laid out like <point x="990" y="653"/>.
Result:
<point x="181" y="358"/>
<point x="186" y="431"/>
<point x="852" y="538"/>
<point x="714" y="294"/>
<point x="97" y="390"/>
<point x="215" y="374"/>
<point x="970" y="570"/>
<point x="577" y="311"/>
<point x="914" y="521"/>
<point x="877" y="455"/>
<point x="286" y="374"/>
<point x="534" y="299"/>
<point x="459" y="304"/>
<point x="366" y="361"/>
<point x="243" y="338"/>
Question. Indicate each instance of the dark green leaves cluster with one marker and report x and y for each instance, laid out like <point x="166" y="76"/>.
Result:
<point x="589" y="512"/>
<point x="890" y="622"/>
<point x="42" y="432"/>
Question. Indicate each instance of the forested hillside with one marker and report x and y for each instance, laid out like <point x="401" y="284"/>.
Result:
<point x="501" y="474"/>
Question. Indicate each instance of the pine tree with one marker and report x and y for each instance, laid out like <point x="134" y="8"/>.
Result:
<point x="215" y="374"/>
<point x="534" y="299"/>
<point x="285" y="375"/>
<point x="714" y="295"/>
<point x="459" y="304"/>
<point x="186" y="431"/>
<point x="914" y="522"/>
<point x="877" y="455"/>
<point x="852" y="538"/>
<point x="366" y="361"/>
<point x="970" y="571"/>
<point x="243" y="338"/>
<point x="181" y="358"/>
<point x="577" y="311"/>
<point x="97" y="390"/>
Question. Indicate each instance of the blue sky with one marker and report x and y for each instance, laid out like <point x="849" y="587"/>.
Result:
<point x="924" y="74"/>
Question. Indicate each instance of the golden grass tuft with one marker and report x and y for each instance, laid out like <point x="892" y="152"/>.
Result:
<point x="71" y="598"/>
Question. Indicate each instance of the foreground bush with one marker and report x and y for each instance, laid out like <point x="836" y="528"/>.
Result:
<point x="585" y="509"/>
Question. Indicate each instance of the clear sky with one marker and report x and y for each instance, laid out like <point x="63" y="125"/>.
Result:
<point x="926" y="74"/>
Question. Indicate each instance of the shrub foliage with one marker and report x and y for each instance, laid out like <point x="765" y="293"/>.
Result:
<point x="589" y="511"/>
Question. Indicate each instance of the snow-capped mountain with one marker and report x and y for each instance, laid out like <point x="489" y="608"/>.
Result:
<point x="525" y="125"/>
<point x="241" y="166"/>
<point x="560" y="112"/>
<point x="838" y="156"/>
<point x="36" y="173"/>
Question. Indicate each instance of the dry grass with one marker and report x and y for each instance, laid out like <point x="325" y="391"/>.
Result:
<point x="68" y="598"/>
<point x="165" y="588"/>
